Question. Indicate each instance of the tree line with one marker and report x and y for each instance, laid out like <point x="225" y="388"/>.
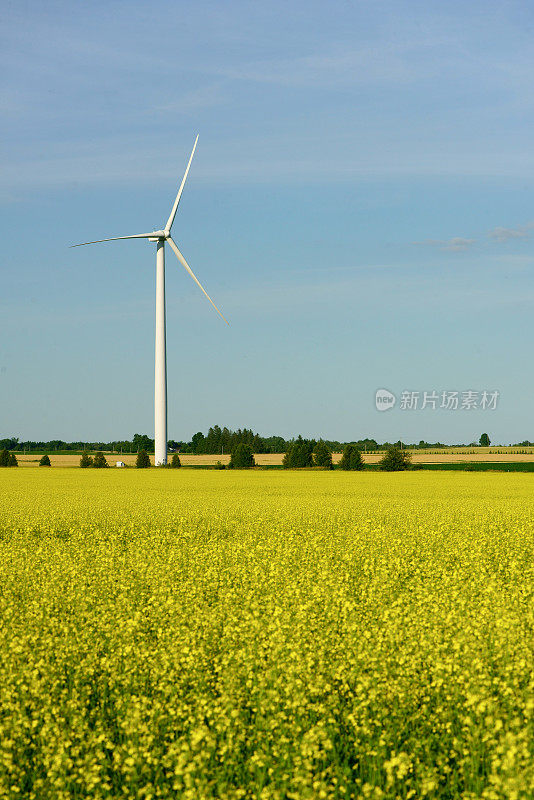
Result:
<point x="222" y="441"/>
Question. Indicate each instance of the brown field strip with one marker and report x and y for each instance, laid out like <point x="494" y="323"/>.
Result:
<point x="273" y="459"/>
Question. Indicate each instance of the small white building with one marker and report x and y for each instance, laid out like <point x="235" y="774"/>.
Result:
<point x="120" y="464"/>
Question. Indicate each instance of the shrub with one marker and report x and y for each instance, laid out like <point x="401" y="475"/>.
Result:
<point x="45" y="461"/>
<point x="242" y="457"/>
<point x="322" y="455"/>
<point x="351" y="458"/>
<point x="143" y="460"/>
<point x="99" y="461"/>
<point x="395" y="460"/>
<point x="175" y="461"/>
<point x="86" y="460"/>
<point x="219" y="465"/>
<point x="8" y="459"/>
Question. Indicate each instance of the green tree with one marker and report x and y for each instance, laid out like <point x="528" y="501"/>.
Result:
<point x="86" y="460"/>
<point x="299" y="454"/>
<point x="484" y="440"/>
<point x="175" y="461"/>
<point x="395" y="460"/>
<point x="142" y="442"/>
<point x="9" y="444"/>
<point x="143" y="460"/>
<point x="45" y="461"/>
<point x="242" y="457"/>
<point x="8" y="459"/>
<point x="322" y="455"/>
<point x="99" y="461"/>
<point x="351" y="458"/>
<point x="197" y="443"/>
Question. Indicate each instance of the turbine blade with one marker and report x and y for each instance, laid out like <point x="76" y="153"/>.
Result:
<point x="115" y="239"/>
<point x="168" y="226"/>
<point x="182" y="260"/>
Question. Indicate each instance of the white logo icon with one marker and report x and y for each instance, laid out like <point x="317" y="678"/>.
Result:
<point x="384" y="400"/>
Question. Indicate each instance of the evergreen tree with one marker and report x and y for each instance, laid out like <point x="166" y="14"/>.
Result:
<point x="351" y="458"/>
<point x="322" y="455"/>
<point x="226" y="438"/>
<point x="484" y="440"/>
<point x="99" y="461"/>
<point x="175" y="461"/>
<point x="395" y="460"/>
<point x="45" y="461"/>
<point x="242" y="457"/>
<point x="8" y="459"/>
<point x="213" y="440"/>
<point x="86" y="460"/>
<point x="197" y="443"/>
<point x="299" y="454"/>
<point x="143" y="460"/>
<point x="257" y="444"/>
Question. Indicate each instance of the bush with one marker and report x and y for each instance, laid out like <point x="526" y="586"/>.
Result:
<point x="143" y="460"/>
<point x="219" y="465"/>
<point x="99" y="461"/>
<point x="322" y="455"/>
<point x="299" y="454"/>
<point x="86" y="460"/>
<point x="45" y="461"/>
<point x="395" y="460"/>
<point x="175" y="461"/>
<point x="351" y="458"/>
<point x="242" y="457"/>
<point x="8" y="459"/>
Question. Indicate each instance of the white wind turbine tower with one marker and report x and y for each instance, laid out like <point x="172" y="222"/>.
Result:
<point x="160" y="387"/>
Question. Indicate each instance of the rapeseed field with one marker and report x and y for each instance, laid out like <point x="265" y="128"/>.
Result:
<point x="202" y="634"/>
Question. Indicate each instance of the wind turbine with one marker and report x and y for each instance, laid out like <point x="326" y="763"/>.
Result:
<point x="160" y="386"/>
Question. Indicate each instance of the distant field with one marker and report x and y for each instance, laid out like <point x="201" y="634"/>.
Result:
<point x="496" y="454"/>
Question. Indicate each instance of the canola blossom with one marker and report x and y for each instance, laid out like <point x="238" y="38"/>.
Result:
<point x="211" y="634"/>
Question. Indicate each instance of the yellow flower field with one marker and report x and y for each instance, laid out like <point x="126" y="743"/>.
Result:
<point x="202" y="634"/>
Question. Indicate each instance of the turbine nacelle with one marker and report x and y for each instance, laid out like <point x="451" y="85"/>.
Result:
<point x="165" y="235"/>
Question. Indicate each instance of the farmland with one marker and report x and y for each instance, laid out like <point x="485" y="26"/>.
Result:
<point x="443" y="456"/>
<point x="203" y="634"/>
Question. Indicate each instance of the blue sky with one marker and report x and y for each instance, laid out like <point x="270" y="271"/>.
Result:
<point x="360" y="207"/>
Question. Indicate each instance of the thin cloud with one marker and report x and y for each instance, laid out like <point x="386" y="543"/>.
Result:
<point x="455" y="245"/>
<point x="500" y="234"/>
